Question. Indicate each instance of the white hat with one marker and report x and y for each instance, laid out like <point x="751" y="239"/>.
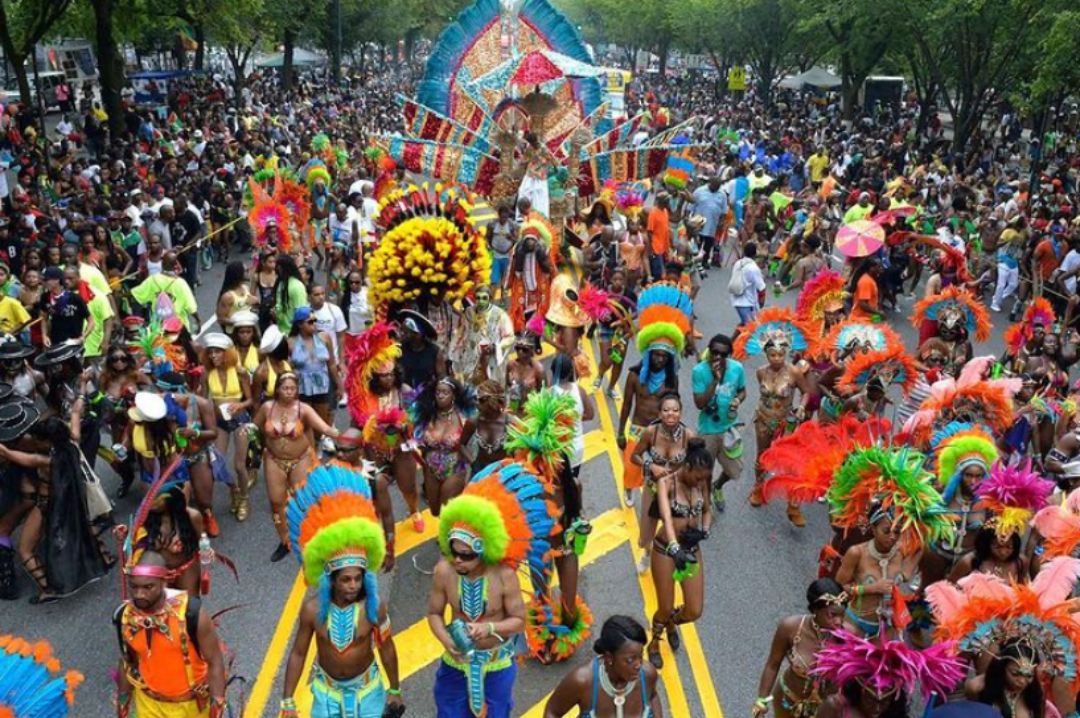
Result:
<point x="198" y="134"/>
<point x="271" y="338"/>
<point x="217" y="340"/>
<point x="148" y="407"/>
<point x="244" y="318"/>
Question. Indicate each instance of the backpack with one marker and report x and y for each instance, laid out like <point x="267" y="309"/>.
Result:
<point x="737" y="283"/>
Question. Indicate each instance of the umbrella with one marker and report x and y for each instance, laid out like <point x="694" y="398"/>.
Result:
<point x="901" y="211"/>
<point x="860" y="238"/>
<point x="535" y="68"/>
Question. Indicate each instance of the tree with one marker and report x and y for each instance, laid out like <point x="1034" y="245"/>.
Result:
<point x="240" y="29"/>
<point x="23" y="23"/>
<point x="110" y="64"/>
<point x="766" y="37"/>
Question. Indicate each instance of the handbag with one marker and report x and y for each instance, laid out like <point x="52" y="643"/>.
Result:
<point x="97" y="501"/>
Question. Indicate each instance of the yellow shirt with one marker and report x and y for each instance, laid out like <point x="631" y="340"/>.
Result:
<point x="817" y="164"/>
<point x="12" y="315"/>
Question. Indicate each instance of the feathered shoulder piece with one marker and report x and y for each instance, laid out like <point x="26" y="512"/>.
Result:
<point x="541" y="436"/>
<point x="364" y="353"/>
<point x="1012" y="495"/>
<point x="1059" y="525"/>
<point x="387" y="430"/>
<point x="821" y="293"/>
<point x="773" y="326"/>
<point x="887" y="366"/>
<point x="955" y="305"/>
<point x="32" y="683"/>
<point x="886" y="666"/>
<point x="800" y="465"/>
<point x="894" y="481"/>
<point x="984" y="611"/>
<point x="850" y="338"/>
<point x="333" y="525"/>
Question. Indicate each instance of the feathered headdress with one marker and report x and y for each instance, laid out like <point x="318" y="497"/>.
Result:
<point x="573" y="307"/>
<point x="539" y="438"/>
<point x="776" y="326"/>
<point x="31" y="682"/>
<point x="969" y="399"/>
<point x="849" y="338"/>
<point x="1038" y="313"/>
<point x="895" y="482"/>
<point x="294" y="196"/>
<point x="373" y="348"/>
<point x="968" y="446"/>
<point x="333" y="525"/>
<point x="1059" y="525"/>
<point x="665" y="317"/>
<point x="885" y="666"/>
<point x="386" y="430"/>
<point x="630" y="200"/>
<point x="430" y="250"/>
<point x="889" y="366"/>
<point x="801" y="464"/>
<point x="317" y="172"/>
<point x="1012" y="494"/>
<point x="679" y="169"/>
<point x="824" y="292"/>
<point x="269" y="209"/>
<point x="954" y="305"/>
<point x="984" y="611"/>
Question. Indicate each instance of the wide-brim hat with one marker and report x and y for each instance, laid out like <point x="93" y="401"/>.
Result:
<point x="13" y="349"/>
<point x="148" y="407"/>
<point x="414" y="320"/>
<point x="58" y="354"/>
<point x="244" y="318"/>
<point x="6" y="390"/>
<point x="271" y="339"/>
<point x="17" y="415"/>
<point x="217" y="340"/>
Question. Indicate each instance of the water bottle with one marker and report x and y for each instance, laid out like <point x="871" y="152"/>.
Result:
<point x="691" y="569"/>
<point x="579" y="532"/>
<point x="206" y="551"/>
<point x="459" y="634"/>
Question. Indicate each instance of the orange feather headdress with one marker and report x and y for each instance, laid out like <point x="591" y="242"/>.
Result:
<point x="954" y="304"/>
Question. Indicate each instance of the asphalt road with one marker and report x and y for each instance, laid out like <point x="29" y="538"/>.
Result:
<point x="757" y="567"/>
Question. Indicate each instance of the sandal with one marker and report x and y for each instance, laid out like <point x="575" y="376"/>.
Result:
<point x="672" y="630"/>
<point x="653" y="649"/>
<point x="37" y="573"/>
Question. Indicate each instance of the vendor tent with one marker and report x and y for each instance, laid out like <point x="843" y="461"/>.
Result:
<point x="815" y="77"/>
<point x="301" y="58"/>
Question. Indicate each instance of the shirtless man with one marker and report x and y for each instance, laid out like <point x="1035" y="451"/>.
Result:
<point x="644" y="406"/>
<point x="493" y="613"/>
<point x="345" y="678"/>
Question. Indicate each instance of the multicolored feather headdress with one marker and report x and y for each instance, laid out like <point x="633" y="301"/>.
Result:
<point x="801" y="465"/>
<point x="895" y="483"/>
<point x="539" y="438"/>
<point x="430" y="250"/>
<point x="387" y="430"/>
<point x="888" y="366"/>
<point x="366" y="352"/>
<point x="665" y="317"/>
<point x="1038" y="313"/>
<point x="954" y="305"/>
<point x="774" y="326"/>
<point x="333" y="525"/>
<point x="31" y="682"/>
<point x="850" y="338"/>
<point x="822" y="293"/>
<point x="1059" y="525"/>
<point x="1012" y="495"/>
<point x="969" y="399"/>
<point x="964" y="447"/>
<point x="885" y="666"/>
<point x="267" y="209"/>
<point x="984" y="611"/>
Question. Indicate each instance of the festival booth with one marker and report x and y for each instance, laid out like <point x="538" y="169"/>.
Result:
<point x="152" y="87"/>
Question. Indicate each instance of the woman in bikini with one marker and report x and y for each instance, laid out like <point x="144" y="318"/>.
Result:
<point x="798" y="694"/>
<point x="119" y="380"/>
<point x="632" y="253"/>
<point x="779" y="382"/>
<point x="870" y="571"/>
<point x="682" y="506"/>
<point x="997" y="555"/>
<point x="660" y="452"/>
<point x="289" y="453"/>
<point x="442" y="410"/>
<point x="228" y="386"/>
<point x="236" y="295"/>
<point x="173" y="529"/>
<point x="524" y="374"/>
<point x="485" y="434"/>
<point x="616" y="683"/>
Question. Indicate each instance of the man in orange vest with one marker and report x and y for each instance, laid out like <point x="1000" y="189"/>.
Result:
<point x="171" y="665"/>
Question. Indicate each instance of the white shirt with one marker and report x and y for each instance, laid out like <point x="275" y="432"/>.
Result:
<point x="359" y="311"/>
<point x="1070" y="264"/>
<point x="577" y="446"/>
<point x="329" y="319"/>
<point x="341" y="230"/>
<point x="368" y="213"/>
<point x="357" y="187"/>
<point x="753" y="282"/>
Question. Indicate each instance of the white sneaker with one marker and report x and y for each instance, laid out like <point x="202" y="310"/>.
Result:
<point x="643" y="563"/>
<point x="628" y="498"/>
<point x="994" y="309"/>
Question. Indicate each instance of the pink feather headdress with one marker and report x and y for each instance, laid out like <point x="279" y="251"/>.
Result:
<point x="594" y="303"/>
<point x="983" y="611"/>
<point x="1012" y="494"/>
<point x="884" y="666"/>
<point x="1059" y="525"/>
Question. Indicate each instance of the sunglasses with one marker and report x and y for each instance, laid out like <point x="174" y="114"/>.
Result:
<point x="309" y="321"/>
<point x="464" y="555"/>
<point x="119" y="357"/>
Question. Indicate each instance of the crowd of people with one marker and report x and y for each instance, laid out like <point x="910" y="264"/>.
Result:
<point x="949" y="469"/>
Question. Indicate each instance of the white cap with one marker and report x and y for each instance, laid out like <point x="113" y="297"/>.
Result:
<point x="148" y="407"/>
<point x="271" y="339"/>
<point x="217" y="340"/>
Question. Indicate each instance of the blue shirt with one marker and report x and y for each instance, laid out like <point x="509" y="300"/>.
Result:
<point x="714" y="419"/>
<point x="712" y="206"/>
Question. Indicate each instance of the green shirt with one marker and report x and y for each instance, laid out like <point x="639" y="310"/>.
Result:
<point x="296" y="298"/>
<point x="179" y="292"/>
<point x="101" y="310"/>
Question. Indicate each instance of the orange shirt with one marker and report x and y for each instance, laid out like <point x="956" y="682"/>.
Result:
<point x="866" y="290"/>
<point x="659" y="229"/>
<point x="160" y="663"/>
<point x="1046" y="258"/>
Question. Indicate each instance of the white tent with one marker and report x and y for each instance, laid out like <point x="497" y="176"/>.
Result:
<point x="815" y="77"/>
<point x="301" y="58"/>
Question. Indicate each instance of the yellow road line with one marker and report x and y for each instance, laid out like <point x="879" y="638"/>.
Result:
<point x="417" y="647"/>
<point x="537" y="709"/>
<point x="406" y="538"/>
<point x="710" y="702"/>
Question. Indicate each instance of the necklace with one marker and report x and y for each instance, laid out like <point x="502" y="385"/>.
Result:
<point x="883" y="559"/>
<point x="341" y="625"/>
<point x="1010" y="700"/>
<point x="617" y="695"/>
<point x="676" y="434"/>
